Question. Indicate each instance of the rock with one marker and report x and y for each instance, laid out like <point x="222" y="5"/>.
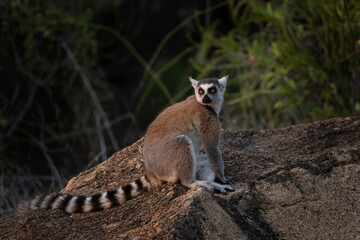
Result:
<point x="300" y="182"/>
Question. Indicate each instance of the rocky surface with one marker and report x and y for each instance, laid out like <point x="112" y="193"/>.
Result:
<point x="300" y="182"/>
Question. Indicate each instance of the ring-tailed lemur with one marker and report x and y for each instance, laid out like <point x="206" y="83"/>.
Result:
<point x="171" y="152"/>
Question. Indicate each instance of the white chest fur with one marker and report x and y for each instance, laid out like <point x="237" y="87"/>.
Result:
<point x="195" y="137"/>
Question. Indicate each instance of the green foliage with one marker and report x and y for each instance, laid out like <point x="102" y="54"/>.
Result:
<point x="300" y="64"/>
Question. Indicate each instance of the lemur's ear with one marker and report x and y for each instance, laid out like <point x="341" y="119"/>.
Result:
<point x="193" y="82"/>
<point x="223" y="80"/>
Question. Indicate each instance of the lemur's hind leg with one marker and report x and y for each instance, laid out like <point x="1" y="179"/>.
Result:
<point x="204" y="172"/>
<point x="180" y="153"/>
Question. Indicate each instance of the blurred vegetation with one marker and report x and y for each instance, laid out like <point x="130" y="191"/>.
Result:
<point x="289" y="61"/>
<point x="82" y="79"/>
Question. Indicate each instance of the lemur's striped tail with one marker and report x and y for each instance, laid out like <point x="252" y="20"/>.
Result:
<point x="79" y="204"/>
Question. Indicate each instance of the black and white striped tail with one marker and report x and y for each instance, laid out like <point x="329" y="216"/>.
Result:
<point x="79" y="204"/>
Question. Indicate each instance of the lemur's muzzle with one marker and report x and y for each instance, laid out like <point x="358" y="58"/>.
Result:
<point x="206" y="99"/>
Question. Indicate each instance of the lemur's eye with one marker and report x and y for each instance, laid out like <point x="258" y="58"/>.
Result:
<point x="213" y="90"/>
<point x="201" y="91"/>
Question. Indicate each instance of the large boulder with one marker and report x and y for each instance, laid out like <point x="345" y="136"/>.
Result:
<point x="300" y="182"/>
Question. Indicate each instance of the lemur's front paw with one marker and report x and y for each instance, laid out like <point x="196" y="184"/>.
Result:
<point x="227" y="180"/>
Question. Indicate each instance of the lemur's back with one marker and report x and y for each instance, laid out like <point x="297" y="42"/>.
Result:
<point x="179" y="119"/>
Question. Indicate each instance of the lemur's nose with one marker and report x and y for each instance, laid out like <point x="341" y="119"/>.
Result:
<point x="206" y="99"/>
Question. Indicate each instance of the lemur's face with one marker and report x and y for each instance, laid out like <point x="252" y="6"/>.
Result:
<point x="209" y="91"/>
